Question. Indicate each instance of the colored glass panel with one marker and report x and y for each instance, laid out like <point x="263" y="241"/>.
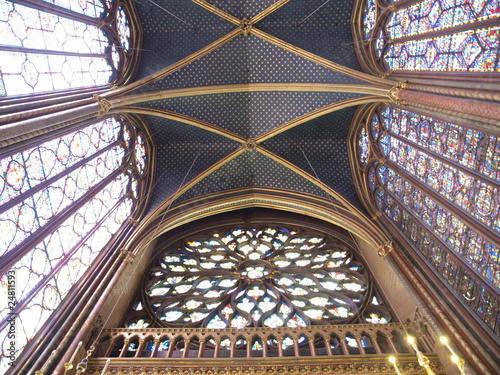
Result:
<point x="369" y="18"/>
<point x="431" y="15"/>
<point x="91" y="8"/>
<point x="276" y="277"/>
<point x="455" y="234"/>
<point x="363" y="146"/>
<point x="482" y="302"/>
<point x="472" y="50"/>
<point x="478" y="198"/>
<point x="71" y="175"/>
<point x="123" y="28"/>
<point x="455" y="163"/>
<point x="26" y="169"/>
<point x="43" y="51"/>
<point x="33" y="213"/>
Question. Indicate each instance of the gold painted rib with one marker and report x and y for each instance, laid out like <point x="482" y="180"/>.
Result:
<point x="319" y="112"/>
<point x="266" y="12"/>
<point x="321" y="60"/>
<point x="219" y="12"/>
<point x="367" y="89"/>
<point x="174" y="67"/>
<point x="181" y="118"/>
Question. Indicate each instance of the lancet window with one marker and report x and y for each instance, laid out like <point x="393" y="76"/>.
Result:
<point x="62" y="44"/>
<point x="438" y="184"/>
<point x="432" y="35"/>
<point x="257" y="277"/>
<point x="63" y="200"/>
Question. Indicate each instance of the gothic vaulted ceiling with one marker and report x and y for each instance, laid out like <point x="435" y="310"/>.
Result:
<point x="257" y="116"/>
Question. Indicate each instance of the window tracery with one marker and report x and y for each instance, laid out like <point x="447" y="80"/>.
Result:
<point x="45" y="48"/>
<point x="62" y="201"/>
<point x="438" y="183"/>
<point x="432" y="35"/>
<point x="248" y="276"/>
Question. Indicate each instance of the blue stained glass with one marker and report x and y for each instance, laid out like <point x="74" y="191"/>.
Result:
<point x="474" y="50"/>
<point x="430" y="150"/>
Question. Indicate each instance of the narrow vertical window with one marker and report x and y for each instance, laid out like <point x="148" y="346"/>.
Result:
<point x="46" y="48"/>
<point x="62" y="201"/>
<point x="438" y="183"/>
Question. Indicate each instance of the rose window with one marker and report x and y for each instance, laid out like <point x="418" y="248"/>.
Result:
<point x="271" y="277"/>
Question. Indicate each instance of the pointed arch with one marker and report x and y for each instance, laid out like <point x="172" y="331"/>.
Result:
<point x="57" y="45"/>
<point x="425" y="39"/>
<point x="66" y="198"/>
<point x="435" y="184"/>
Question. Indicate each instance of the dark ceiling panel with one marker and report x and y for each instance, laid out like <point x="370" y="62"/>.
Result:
<point x="318" y="26"/>
<point x="250" y="114"/>
<point x="252" y="169"/>
<point x="249" y="59"/>
<point x="174" y="31"/>
<point x="183" y="153"/>
<point x="242" y="8"/>
<point x="320" y="148"/>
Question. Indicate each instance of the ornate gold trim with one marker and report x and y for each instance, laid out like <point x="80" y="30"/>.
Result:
<point x="174" y="67"/>
<point x="319" y="365"/>
<point x="318" y="208"/>
<point x="319" y="112"/>
<point x="322" y="61"/>
<point x="270" y="9"/>
<point x="180" y="118"/>
<point x="368" y="89"/>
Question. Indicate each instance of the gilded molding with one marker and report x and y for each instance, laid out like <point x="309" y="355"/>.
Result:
<point x="395" y="90"/>
<point x="104" y="103"/>
<point x="246" y="26"/>
<point x="384" y="250"/>
<point x="127" y="255"/>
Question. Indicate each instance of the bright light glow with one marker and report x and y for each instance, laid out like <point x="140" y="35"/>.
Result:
<point x="454" y="359"/>
<point x="410" y="339"/>
<point x="392" y="359"/>
<point x="443" y="339"/>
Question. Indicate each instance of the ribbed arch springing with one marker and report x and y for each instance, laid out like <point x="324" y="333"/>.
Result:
<point x="438" y="184"/>
<point x="63" y="200"/>
<point x="432" y="36"/>
<point x="57" y="45"/>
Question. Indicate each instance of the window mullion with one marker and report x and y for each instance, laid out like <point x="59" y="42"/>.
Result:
<point x="21" y="197"/>
<point x="453" y="163"/>
<point x="21" y="249"/>
<point x="445" y="247"/>
<point x="493" y="21"/>
<point x="22" y="304"/>
<point x="486" y="232"/>
<point x="51" y="52"/>
<point x="60" y="11"/>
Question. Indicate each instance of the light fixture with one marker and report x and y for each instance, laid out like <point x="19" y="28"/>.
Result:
<point x="454" y="357"/>
<point x="423" y="361"/>
<point x="393" y="361"/>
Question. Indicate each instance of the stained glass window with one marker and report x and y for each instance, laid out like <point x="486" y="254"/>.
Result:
<point x="267" y="276"/>
<point x="44" y="50"/>
<point x="369" y="18"/>
<point x="62" y="201"/>
<point x="435" y="35"/>
<point x="439" y="184"/>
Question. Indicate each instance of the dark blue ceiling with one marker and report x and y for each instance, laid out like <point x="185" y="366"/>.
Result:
<point x="252" y="170"/>
<point x="250" y="114"/>
<point x="176" y="29"/>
